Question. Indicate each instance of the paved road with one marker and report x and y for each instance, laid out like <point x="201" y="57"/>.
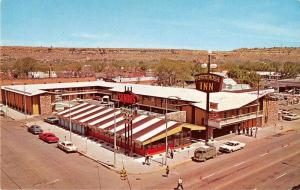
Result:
<point x="27" y="162"/>
<point x="259" y="166"/>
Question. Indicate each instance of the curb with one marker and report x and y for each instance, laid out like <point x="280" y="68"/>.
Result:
<point x="110" y="167"/>
<point x="99" y="162"/>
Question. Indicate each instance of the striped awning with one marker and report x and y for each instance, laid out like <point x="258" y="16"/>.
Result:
<point x="100" y="117"/>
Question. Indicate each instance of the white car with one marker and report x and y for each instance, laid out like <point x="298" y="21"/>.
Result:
<point x="67" y="146"/>
<point x="231" y="146"/>
<point x="290" y="117"/>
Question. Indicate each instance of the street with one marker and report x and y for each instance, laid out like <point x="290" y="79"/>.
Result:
<point x="27" y="162"/>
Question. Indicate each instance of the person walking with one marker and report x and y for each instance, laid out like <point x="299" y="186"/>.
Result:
<point x="180" y="183"/>
<point x="167" y="171"/>
<point x="172" y="154"/>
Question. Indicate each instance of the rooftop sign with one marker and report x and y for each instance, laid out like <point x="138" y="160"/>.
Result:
<point x="127" y="98"/>
<point x="208" y="82"/>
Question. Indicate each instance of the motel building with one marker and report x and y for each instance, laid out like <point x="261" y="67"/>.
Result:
<point x="229" y="112"/>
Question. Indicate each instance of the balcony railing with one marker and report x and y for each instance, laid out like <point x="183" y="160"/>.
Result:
<point x="220" y="122"/>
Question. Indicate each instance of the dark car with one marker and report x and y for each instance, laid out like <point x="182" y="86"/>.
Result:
<point x="35" y="129"/>
<point x="52" y="120"/>
<point x="49" y="137"/>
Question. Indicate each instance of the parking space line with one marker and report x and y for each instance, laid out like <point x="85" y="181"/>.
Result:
<point x="263" y="154"/>
<point x="280" y="176"/>
<point x="209" y="176"/>
<point x="239" y="163"/>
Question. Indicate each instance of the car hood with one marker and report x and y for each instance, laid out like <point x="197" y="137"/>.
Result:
<point x="226" y="146"/>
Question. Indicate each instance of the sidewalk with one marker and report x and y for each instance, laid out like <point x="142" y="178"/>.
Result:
<point x="16" y="115"/>
<point x="103" y="152"/>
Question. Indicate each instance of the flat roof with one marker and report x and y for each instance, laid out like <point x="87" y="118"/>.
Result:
<point x="225" y="100"/>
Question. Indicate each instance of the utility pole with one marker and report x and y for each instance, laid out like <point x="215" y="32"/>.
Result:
<point x="207" y="103"/>
<point x="257" y="102"/>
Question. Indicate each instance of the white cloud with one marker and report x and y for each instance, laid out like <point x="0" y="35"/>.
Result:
<point x="90" y="36"/>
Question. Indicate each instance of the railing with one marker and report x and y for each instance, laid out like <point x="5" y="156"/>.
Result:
<point x="220" y="122"/>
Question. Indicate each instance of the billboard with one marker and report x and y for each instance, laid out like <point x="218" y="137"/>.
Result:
<point x="208" y="82"/>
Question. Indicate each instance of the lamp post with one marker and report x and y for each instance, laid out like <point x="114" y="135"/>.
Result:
<point x="115" y="137"/>
<point x="166" y="120"/>
<point x="208" y="66"/>
<point x="25" y="111"/>
<point x="70" y="125"/>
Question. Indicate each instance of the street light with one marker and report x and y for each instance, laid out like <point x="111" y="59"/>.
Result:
<point x="25" y="102"/>
<point x="178" y="98"/>
<point x="208" y="66"/>
<point x="115" y="137"/>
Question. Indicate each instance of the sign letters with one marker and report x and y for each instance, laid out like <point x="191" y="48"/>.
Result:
<point x="208" y="82"/>
<point x="127" y="98"/>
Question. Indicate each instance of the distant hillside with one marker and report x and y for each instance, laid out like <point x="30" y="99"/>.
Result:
<point x="49" y="54"/>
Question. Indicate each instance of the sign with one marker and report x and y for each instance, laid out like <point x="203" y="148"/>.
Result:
<point x="127" y="98"/>
<point x="208" y="82"/>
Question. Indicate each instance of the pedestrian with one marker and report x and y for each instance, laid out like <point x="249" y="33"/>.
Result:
<point x="147" y="159"/>
<point x="180" y="182"/>
<point x="172" y="154"/>
<point x="167" y="171"/>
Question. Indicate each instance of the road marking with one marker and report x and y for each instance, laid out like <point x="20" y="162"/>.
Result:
<point x="263" y="154"/>
<point x="240" y="163"/>
<point x="51" y="182"/>
<point x="208" y="176"/>
<point x="280" y="176"/>
<point x="48" y="183"/>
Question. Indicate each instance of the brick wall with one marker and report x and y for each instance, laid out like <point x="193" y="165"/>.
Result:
<point x="45" y="104"/>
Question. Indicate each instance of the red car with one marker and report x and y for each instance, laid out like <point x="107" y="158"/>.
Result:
<point x="49" y="137"/>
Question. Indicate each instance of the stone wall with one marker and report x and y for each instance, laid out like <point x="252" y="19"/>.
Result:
<point x="272" y="113"/>
<point x="45" y="104"/>
<point x="179" y="116"/>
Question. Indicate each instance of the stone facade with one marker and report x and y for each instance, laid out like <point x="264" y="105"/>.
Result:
<point x="179" y="116"/>
<point x="45" y="104"/>
<point x="272" y="113"/>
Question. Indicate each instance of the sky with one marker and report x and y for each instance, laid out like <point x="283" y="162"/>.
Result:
<point x="179" y="24"/>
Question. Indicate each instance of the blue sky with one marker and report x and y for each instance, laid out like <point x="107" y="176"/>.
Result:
<point x="183" y="24"/>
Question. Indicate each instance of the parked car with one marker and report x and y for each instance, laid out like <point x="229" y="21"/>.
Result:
<point x="67" y="146"/>
<point x="204" y="152"/>
<point x="290" y="117"/>
<point x="285" y="112"/>
<point x="231" y="146"/>
<point x="52" y="120"/>
<point x="48" y="137"/>
<point x="35" y="129"/>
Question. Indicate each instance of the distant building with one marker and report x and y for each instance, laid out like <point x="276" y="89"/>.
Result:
<point x="40" y="74"/>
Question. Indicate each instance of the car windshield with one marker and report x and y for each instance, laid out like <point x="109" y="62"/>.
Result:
<point x="51" y="117"/>
<point x="230" y="144"/>
<point x="69" y="144"/>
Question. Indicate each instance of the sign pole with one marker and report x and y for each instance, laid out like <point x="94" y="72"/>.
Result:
<point x="207" y="104"/>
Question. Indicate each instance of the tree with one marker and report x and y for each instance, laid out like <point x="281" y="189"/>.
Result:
<point x="23" y="66"/>
<point x="290" y="70"/>
<point x="96" y="65"/>
<point x="170" y="72"/>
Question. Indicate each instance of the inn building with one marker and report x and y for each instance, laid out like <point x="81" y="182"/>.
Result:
<point x="229" y="112"/>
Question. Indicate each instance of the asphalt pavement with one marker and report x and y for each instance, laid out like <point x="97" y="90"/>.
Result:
<point x="271" y="162"/>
